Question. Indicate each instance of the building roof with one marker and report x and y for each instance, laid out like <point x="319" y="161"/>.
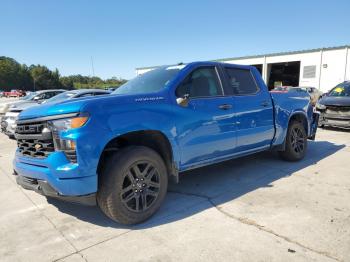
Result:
<point x="269" y="54"/>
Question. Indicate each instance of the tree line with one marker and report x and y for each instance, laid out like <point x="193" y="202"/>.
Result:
<point x="14" y="75"/>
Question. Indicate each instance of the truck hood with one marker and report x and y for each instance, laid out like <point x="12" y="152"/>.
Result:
<point x="335" y="101"/>
<point x="36" y="111"/>
<point x="89" y="104"/>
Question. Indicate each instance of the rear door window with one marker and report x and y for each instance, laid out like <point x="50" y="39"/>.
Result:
<point x="240" y="82"/>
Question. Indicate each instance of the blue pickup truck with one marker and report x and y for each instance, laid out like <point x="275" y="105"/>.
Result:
<point x="120" y="151"/>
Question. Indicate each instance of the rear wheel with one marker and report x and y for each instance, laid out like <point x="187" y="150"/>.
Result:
<point x="296" y="142"/>
<point x="132" y="185"/>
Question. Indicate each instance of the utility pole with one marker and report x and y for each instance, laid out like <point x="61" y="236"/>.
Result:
<point x="92" y="66"/>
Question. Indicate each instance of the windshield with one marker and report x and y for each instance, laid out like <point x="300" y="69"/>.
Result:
<point x="149" y="82"/>
<point x="29" y="97"/>
<point x="340" y="91"/>
<point x="61" y="97"/>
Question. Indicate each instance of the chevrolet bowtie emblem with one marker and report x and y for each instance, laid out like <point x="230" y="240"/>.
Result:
<point x="37" y="146"/>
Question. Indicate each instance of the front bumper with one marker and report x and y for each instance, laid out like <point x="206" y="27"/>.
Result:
<point x="334" y="120"/>
<point x="44" y="188"/>
<point x="66" y="178"/>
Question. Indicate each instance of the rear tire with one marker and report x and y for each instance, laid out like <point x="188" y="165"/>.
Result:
<point x="296" y="142"/>
<point x="132" y="185"/>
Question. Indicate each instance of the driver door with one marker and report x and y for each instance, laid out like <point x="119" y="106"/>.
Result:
<point x="206" y="129"/>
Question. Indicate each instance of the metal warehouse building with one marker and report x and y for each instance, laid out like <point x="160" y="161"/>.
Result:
<point x="322" y="68"/>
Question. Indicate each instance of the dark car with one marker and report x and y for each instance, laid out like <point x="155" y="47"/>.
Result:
<point x="335" y="106"/>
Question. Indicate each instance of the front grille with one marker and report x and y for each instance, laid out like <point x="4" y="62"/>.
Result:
<point x="338" y="112"/>
<point x="339" y="108"/>
<point x="35" y="128"/>
<point x="35" y="147"/>
<point x="34" y="139"/>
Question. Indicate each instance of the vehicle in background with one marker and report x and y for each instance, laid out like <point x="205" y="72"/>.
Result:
<point x="8" y="122"/>
<point x="280" y="89"/>
<point x="122" y="149"/>
<point x="1" y="93"/>
<point x="334" y="106"/>
<point x="31" y="99"/>
<point x="77" y="94"/>
<point x="15" y="93"/>
<point x="5" y="105"/>
<point x="314" y="93"/>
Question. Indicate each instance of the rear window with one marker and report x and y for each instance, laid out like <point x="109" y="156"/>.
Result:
<point x="241" y="82"/>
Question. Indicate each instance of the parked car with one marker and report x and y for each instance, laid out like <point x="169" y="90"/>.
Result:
<point x="280" y="89"/>
<point x="8" y="122"/>
<point x="31" y="99"/>
<point x="335" y="106"/>
<point x="5" y="105"/>
<point x="77" y="94"/>
<point x="314" y="93"/>
<point x="122" y="149"/>
<point x="15" y="93"/>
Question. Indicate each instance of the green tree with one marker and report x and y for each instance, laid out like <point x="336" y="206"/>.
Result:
<point x="44" y="78"/>
<point x="13" y="75"/>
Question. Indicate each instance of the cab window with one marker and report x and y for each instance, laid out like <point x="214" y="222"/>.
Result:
<point x="202" y="82"/>
<point x="240" y="82"/>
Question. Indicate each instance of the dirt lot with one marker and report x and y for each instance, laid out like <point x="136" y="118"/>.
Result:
<point x="258" y="208"/>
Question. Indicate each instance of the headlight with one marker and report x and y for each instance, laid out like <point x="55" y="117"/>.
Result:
<point x="3" y="108"/>
<point x="67" y="146"/>
<point x="320" y="106"/>
<point x="68" y="123"/>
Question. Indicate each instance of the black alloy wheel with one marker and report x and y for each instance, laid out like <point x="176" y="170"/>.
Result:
<point x="140" y="186"/>
<point x="297" y="140"/>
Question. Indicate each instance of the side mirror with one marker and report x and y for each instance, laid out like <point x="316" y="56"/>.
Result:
<point x="183" y="101"/>
<point x="36" y="98"/>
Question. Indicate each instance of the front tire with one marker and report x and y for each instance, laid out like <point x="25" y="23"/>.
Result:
<point x="296" y="142"/>
<point x="133" y="185"/>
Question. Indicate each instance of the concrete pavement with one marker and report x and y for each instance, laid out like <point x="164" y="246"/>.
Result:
<point x="258" y="208"/>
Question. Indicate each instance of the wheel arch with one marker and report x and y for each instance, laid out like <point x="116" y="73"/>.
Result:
<point x="300" y="117"/>
<point x="153" y="139"/>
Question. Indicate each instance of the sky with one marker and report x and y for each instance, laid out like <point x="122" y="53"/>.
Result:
<point x="120" y="36"/>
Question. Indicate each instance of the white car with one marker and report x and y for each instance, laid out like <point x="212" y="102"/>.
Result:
<point x="8" y="123"/>
<point x="34" y="98"/>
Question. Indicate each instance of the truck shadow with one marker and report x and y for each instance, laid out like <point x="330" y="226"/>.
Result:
<point x="202" y="188"/>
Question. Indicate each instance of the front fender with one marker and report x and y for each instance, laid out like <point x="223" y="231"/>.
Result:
<point x="110" y="121"/>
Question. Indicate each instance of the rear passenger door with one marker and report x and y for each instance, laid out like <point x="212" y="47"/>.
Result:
<point x="253" y="109"/>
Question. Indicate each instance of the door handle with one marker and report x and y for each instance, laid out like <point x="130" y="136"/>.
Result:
<point x="265" y="103"/>
<point x="225" y="106"/>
